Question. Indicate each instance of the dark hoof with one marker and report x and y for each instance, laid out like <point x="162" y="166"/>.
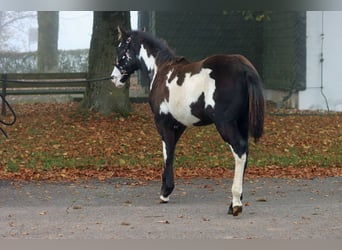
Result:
<point x="230" y="209"/>
<point x="235" y="211"/>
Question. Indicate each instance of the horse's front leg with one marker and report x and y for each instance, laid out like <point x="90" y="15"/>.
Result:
<point x="170" y="136"/>
<point x="168" y="183"/>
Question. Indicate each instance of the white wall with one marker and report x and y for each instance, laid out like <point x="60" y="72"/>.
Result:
<point x="331" y="73"/>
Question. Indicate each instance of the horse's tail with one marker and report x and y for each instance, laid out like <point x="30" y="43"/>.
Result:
<point x="256" y="104"/>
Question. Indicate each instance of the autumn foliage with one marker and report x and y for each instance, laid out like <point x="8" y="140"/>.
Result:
<point x="60" y="142"/>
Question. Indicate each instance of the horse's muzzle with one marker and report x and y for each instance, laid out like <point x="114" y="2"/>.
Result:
<point x="118" y="78"/>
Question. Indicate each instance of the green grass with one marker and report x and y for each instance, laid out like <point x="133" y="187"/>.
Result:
<point x="74" y="139"/>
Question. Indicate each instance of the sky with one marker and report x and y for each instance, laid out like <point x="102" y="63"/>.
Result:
<point x="75" y="30"/>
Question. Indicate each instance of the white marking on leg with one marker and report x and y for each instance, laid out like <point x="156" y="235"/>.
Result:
<point x="238" y="177"/>
<point x="161" y="197"/>
<point x="164" y="199"/>
<point x="164" y="152"/>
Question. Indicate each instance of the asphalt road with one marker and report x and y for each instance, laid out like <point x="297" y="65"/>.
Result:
<point x="123" y="209"/>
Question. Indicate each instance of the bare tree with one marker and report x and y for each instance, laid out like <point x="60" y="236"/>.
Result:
<point x="14" y="24"/>
<point x="48" y="24"/>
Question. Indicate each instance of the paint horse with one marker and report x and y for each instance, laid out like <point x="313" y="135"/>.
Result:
<point x="221" y="89"/>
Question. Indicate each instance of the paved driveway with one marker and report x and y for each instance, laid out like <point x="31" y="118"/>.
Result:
<point x="120" y="208"/>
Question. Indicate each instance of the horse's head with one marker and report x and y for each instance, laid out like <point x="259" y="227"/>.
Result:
<point x="126" y="62"/>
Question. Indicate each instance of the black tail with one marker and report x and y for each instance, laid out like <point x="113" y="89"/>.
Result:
<point x="256" y="105"/>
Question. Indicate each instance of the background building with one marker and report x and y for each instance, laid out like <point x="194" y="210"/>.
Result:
<point x="296" y="53"/>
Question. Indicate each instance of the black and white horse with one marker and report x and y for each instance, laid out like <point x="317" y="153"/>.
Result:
<point x="221" y="89"/>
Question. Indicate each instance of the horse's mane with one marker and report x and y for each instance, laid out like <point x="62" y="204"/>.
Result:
<point x="158" y="47"/>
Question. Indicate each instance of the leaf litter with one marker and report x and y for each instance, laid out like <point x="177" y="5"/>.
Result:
<point x="61" y="142"/>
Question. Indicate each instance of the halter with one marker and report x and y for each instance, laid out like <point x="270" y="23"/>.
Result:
<point x="124" y="67"/>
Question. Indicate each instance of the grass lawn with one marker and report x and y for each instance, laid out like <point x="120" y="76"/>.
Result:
<point x="59" y="141"/>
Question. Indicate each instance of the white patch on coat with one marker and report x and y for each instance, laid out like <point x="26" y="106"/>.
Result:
<point x="150" y="62"/>
<point x="181" y="97"/>
<point x="238" y="177"/>
<point x="116" y="77"/>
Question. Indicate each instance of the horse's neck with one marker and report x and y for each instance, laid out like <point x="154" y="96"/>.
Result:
<point x="151" y="60"/>
<point x="148" y="63"/>
<point x="147" y="58"/>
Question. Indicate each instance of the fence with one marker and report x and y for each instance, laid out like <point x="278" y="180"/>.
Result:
<point x="50" y="84"/>
<point x="42" y="84"/>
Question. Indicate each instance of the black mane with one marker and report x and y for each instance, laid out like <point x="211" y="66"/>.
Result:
<point x="157" y="47"/>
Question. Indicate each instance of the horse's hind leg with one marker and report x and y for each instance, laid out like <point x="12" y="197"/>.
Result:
<point x="239" y="146"/>
<point x="240" y="163"/>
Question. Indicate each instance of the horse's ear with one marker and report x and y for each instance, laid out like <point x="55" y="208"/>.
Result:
<point x="122" y="34"/>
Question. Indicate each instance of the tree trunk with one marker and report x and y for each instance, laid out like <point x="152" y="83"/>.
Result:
<point x="48" y="23"/>
<point x="103" y="96"/>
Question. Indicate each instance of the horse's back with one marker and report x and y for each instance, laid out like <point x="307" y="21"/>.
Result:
<point x="234" y="63"/>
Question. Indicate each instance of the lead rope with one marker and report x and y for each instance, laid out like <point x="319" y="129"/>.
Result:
<point x="4" y="122"/>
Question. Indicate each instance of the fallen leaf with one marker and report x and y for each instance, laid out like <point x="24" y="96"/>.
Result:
<point x="43" y="212"/>
<point x="104" y="147"/>
<point x="261" y="199"/>
<point x="163" y="221"/>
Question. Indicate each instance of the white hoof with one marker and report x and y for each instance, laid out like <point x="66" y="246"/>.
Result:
<point x="164" y="199"/>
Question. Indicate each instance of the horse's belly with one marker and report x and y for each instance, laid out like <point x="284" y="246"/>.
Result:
<point x="196" y="92"/>
<point x="180" y="112"/>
